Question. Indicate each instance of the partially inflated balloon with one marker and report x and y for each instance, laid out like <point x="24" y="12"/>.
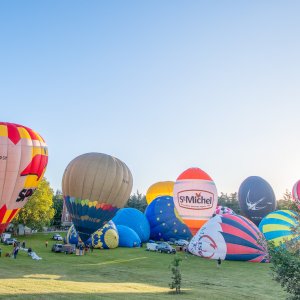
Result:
<point x="229" y="237"/>
<point x="134" y="219"/>
<point x="72" y="236"/>
<point x="106" y="237"/>
<point x="277" y="226"/>
<point x="23" y="161"/>
<point x="165" y="223"/>
<point x="128" y="237"/>
<point x="222" y="210"/>
<point x="296" y="193"/>
<point x="195" y="198"/>
<point x="95" y="186"/>
<point x="158" y="189"/>
<point x="256" y="198"/>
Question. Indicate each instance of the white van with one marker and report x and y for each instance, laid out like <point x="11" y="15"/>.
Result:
<point x="151" y="247"/>
<point x="5" y="236"/>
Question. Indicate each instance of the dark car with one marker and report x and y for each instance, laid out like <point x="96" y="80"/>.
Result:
<point x="165" y="247"/>
<point x="10" y="241"/>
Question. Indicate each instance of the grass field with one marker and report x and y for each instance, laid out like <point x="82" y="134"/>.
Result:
<point x="127" y="274"/>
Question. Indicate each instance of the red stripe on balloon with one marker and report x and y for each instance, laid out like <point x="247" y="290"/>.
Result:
<point x="3" y="210"/>
<point x="12" y="215"/>
<point x="239" y="249"/>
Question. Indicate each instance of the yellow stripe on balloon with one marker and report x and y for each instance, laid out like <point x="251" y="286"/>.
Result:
<point x="281" y="239"/>
<point x="6" y="216"/>
<point x="280" y="217"/>
<point x="3" y="130"/>
<point x="24" y="133"/>
<point x="275" y="227"/>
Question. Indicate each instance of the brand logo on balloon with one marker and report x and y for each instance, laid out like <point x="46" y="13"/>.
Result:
<point x="195" y="199"/>
<point x="207" y="246"/>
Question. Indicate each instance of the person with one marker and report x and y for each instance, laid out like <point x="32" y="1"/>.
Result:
<point x="23" y="244"/>
<point x="0" y="252"/>
<point x="29" y="250"/>
<point x="219" y="262"/>
<point x="46" y="244"/>
<point x="16" y="250"/>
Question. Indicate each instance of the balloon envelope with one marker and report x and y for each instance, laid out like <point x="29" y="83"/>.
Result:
<point x="23" y="162"/>
<point x="135" y="220"/>
<point x="296" y="193"/>
<point x="72" y="236"/>
<point x="95" y="186"/>
<point x="106" y="237"/>
<point x="277" y="226"/>
<point x="229" y="237"/>
<point x="195" y="198"/>
<point x="128" y="237"/>
<point x="165" y="223"/>
<point x="222" y="210"/>
<point x="158" y="189"/>
<point x="256" y="198"/>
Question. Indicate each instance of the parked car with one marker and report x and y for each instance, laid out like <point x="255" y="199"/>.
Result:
<point x="165" y="247"/>
<point x="67" y="248"/>
<point x="10" y="241"/>
<point x="57" y="237"/>
<point x="181" y="243"/>
<point x="151" y="247"/>
<point x="5" y="236"/>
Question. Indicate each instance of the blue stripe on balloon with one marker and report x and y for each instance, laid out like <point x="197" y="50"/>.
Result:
<point x="242" y="257"/>
<point x="238" y="225"/>
<point x="276" y="234"/>
<point x="233" y="239"/>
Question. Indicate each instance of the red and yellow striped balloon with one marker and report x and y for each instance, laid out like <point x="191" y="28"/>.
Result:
<point x="23" y="162"/>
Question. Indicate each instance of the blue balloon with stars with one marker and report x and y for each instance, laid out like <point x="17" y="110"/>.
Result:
<point x="165" y="222"/>
<point x="72" y="236"/>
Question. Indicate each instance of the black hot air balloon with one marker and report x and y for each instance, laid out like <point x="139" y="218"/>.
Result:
<point x="256" y="198"/>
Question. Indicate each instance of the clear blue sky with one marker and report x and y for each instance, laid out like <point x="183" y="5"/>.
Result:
<point x="162" y="85"/>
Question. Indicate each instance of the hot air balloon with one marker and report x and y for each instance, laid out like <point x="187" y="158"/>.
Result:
<point x="72" y="236"/>
<point x="128" y="237"/>
<point x="162" y="188"/>
<point x="222" y="210"/>
<point x="296" y="193"/>
<point x="256" y="198"/>
<point x="135" y="220"/>
<point x="195" y="198"/>
<point x="106" y="237"/>
<point x="23" y="161"/>
<point x="165" y="223"/>
<point x="229" y="237"/>
<point x="277" y="226"/>
<point x="95" y="186"/>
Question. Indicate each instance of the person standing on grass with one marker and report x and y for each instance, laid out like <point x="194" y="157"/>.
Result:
<point x="46" y="244"/>
<point x="23" y="244"/>
<point x="219" y="262"/>
<point x="16" y="250"/>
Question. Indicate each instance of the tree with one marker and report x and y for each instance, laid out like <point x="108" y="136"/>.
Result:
<point x="38" y="211"/>
<point x="286" y="264"/>
<point x="286" y="202"/>
<point x="230" y="201"/>
<point x="137" y="201"/>
<point x="58" y="207"/>
<point x="176" y="275"/>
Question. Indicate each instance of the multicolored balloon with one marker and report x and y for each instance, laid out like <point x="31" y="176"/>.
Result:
<point x="165" y="222"/>
<point x="159" y="189"/>
<point x="296" y="193"/>
<point x="277" y="226"/>
<point x="229" y="237"/>
<point x="195" y="198"/>
<point x="72" y="236"/>
<point x="95" y="186"/>
<point x="106" y="237"/>
<point x="256" y="198"/>
<point x="222" y="210"/>
<point x="128" y="237"/>
<point x="134" y="219"/>
<point x="23" y="162"/>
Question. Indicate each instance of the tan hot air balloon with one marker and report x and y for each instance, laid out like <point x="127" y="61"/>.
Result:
<point x="95" y="186"/>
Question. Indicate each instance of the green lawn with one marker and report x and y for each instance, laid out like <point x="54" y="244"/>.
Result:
<point x="127" y="274"/>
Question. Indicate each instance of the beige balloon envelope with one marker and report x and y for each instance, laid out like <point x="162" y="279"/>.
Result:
<point x="95" y="186"/>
